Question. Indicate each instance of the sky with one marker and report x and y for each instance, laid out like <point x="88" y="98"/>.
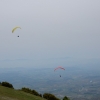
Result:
<point x="53" y="33"/>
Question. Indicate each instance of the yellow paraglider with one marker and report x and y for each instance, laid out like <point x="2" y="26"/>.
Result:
<point x="15" y="29"/>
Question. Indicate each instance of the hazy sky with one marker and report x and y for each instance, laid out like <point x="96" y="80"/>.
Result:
<point x="54" y="32"/>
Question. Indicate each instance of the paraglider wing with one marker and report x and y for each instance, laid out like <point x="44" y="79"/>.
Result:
<point x="15" y="29"/>
<point x="59" y="68"/>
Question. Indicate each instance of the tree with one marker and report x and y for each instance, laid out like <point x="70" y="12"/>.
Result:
<point x="66" y="98"/>
<point x="49" y="96"/>
<point x="6" y="84"/>
<point x="26" y="90"/>
<point x="35" y="93"/>
<point x="31" y="91"/>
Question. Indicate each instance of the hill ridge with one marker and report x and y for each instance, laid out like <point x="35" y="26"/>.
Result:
<point x="12" y="94"/>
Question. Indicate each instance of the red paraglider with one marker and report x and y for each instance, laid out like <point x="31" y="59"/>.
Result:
<point x="59" y="67"/>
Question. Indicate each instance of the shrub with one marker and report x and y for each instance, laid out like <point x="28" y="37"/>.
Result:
<point x="35" y="93"/>
<point x="31" y="91"/>
<point x="6" y="84"/>
<point x="66" y="98"/>
<point x="26" y="90"/>
<point x="49" y="96"/>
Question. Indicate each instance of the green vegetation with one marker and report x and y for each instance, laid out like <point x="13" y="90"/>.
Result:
<point x="31" y="91"/>
<point x="49" y="96"/>
<point x="12" y="94"/>
<point x="66" y="98"/>
<point x="7" y="92"/>
<point x="6" y="84"/>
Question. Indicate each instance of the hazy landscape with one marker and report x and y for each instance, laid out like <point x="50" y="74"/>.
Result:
<point x="36" y="36"/>
<point x="77" y="83"/>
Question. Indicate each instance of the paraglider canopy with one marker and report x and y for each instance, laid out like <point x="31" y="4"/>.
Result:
<point x="59" y="67"/>
<point x="15" y="28"/>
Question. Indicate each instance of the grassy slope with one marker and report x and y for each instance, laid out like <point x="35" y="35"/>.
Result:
<point x="11" y="94"/>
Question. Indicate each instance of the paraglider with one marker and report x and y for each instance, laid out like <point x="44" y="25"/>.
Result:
<point x="59" y="67"/>
<point x="15" y="29"/>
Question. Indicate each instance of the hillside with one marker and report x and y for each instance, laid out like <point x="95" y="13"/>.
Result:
<point x="11" y="94"/>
